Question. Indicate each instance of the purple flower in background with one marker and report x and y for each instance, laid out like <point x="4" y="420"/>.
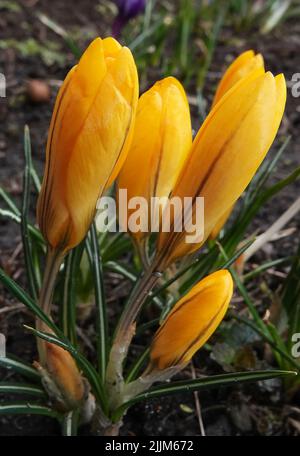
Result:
<point x="130" y="8"/>
<point x="127" y="10"/>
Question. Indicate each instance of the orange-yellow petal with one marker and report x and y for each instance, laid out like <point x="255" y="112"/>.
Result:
<point x="88" y="140"/>
<point x="226" y="153"/>
<point x="240" y="67"/>
<point x="161" y="142"/>
<point x="192" y="321"/>
<point x="63" y="371"/>
<point x="220" y="223"/>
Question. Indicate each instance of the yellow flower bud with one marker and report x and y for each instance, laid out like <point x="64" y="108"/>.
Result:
<point x="161" y="141"/>
<point x="89" y="135"/>
<point x="228" y="149"/>
<point x="242" y="66"/>
<point x="192" y="321"/>
<point x="62" y="370"/>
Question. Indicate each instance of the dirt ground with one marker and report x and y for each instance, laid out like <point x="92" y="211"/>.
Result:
<point x="243" y="410"/>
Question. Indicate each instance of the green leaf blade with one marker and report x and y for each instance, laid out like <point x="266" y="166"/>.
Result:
<point x="22" y="388"/>
<point x="20" y="367"/>
<point x="215" y="381"/>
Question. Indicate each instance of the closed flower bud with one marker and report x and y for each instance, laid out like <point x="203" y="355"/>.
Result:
<point x="227" y="151"/>
<point x="88" y="140"/>
<point x="242" y="66"/>
<point x="61" y="377"/>
<point x="162" y="139"/>
<point x="191" y="322"/>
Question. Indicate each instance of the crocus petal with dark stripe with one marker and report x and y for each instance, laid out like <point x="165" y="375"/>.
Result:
<point x="89" y="135"/>
<point x="192" y="321"/>
<point x="242" y="66"/>
<point x="162" y="139"/>
<point x="227" y="151"/>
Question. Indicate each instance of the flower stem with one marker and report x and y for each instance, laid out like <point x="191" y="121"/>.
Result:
<point x="141" y="246"/>
<point x="53" y="261"/>
<point x="126" y="330"/>
<point x="137" y="299"/>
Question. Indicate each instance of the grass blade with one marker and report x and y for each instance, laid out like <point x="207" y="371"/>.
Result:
<point x="72" y="265"/>
<point x="32" y="280"/>
<point x="17" y="219"/>
<point x="120" y="269"/>
<point x="26" y="408"/>
<point x="133" y="277"/>
<point x="101" y="323"/>
<point x="243" y="291"/>
<point x="291" y="297"/>
<point x="35" y="179"/>
<point x="20" y="367"/>
<point x="198" y="272"/>
<point x="56" y="28"/>
<point x="215" y="381"/>
<point x="264" y="267"/>
<point x="22" y="388"/>
<point x="23" y="297"/>
<point x="10" y="203"/>
<point x="269" y="340"/>
<point x="263" y="174"/>
<point x="134" y="371"/>
<point x="70" y="424"/>
<point x="236" y="233"/>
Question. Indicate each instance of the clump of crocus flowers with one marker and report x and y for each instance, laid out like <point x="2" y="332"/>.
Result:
<point x="100" y="132"/>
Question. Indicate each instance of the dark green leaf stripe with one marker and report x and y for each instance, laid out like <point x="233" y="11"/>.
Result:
<point x="101" y="323"/>
<point x="215" y="381"/>
<point x="32" y="280"/>
<point x="87" y="368"/>
<point x="17" y="219"/>
<point x="22" y="388"/>
<point x="20" y="367"/>
<point x="23" y="297"/>
<point x="10" y="203"/>
<point x="28" y="409"/>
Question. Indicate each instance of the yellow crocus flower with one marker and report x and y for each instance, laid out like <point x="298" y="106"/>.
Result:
<point x="227" y="151"/>
<point x="89" y="135"/>
<point x="191" y="322"/>
<point x="161" y="142"/>
<point x="242" y="66"/>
